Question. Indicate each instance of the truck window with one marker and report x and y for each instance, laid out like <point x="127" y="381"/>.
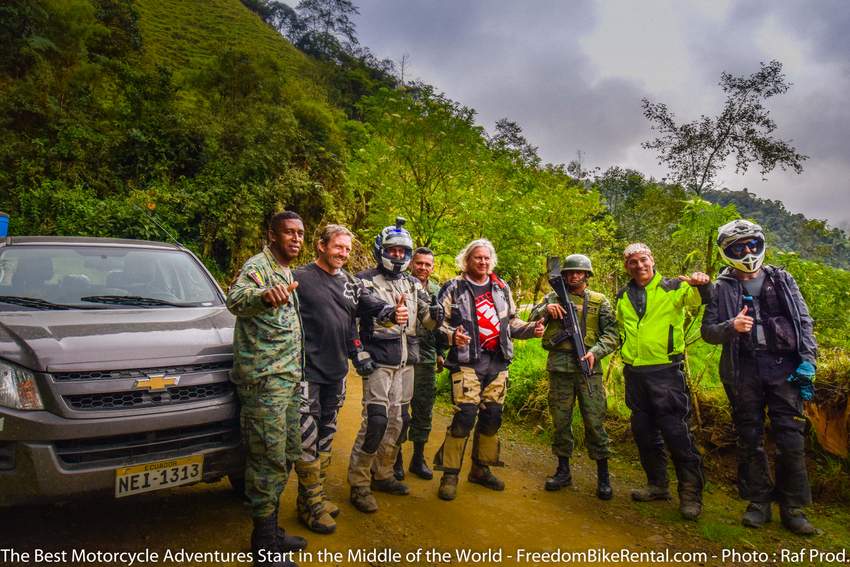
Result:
<point x="87" y="276"/>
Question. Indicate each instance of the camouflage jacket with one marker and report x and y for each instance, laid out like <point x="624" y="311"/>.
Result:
<point x="430" y="341"/>
<point x="599" y="324"/>
<point x="266" y="341"/>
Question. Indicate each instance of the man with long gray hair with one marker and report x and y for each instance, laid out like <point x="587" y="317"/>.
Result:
<point x="480" y="323"/>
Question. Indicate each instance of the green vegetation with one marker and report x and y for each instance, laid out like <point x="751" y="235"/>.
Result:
<point x="810" y="238"/>
<point x="200" y="112"/>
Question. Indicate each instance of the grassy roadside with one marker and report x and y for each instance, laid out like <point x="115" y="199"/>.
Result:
<point x="528" y="423"/>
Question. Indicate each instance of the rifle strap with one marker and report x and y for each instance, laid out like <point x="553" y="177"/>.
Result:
<point x="584" y="316"/>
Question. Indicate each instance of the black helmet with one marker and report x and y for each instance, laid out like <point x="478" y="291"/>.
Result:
<point x="576" y="262"/>
<point x="389" y="237"/>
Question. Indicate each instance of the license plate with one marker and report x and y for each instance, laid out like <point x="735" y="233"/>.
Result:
<point x="158" y="475"/>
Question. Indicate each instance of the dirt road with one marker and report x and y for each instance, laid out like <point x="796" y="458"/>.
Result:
<point x="209" y="518"/>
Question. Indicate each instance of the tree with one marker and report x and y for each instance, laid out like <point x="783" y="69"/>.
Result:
<point x="422" y="160"/>
<point x="696" y="151"/>
<point x="509" y="139"/>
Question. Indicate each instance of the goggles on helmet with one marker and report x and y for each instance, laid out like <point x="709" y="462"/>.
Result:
<point x="739" y="249"/>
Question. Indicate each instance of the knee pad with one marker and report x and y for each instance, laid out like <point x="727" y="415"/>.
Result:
<point x="463" y="421"/>
<point x="490" y="419"/>
<point x="376" y="425"/>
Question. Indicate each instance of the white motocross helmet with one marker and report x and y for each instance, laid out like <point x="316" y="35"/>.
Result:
<point x="741" y="244"/>
<point x="393" y="236"/>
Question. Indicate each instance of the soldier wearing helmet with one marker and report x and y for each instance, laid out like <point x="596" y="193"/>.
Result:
<point x="566" y="380"/>
<point x="388" y="384"/>
<point x="768" y="362"/>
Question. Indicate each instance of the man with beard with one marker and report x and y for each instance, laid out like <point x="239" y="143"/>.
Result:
<point x="267" y="368"/>
<point x="331" y="300"/>
<point x="566" y="379"/>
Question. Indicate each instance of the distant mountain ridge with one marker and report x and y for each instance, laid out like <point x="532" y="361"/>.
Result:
<point x="812" y="239"/>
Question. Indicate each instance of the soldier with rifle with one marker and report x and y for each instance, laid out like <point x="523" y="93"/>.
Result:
<point x="581" y="329"/>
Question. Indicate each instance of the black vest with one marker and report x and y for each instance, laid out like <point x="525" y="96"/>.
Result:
<point x="772" y="314"/>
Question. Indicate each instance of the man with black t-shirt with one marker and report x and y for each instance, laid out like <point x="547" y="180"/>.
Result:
<point x="331" y="299"/>
<point x="480" y="323"/>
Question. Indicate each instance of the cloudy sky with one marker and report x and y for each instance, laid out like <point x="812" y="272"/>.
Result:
<point x="572" y="73"/>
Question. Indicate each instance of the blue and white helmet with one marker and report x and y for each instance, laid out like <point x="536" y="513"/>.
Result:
<point x="389" y="237"/>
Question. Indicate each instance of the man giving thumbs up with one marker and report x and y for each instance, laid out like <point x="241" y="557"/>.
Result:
<point x="267" y="352"/>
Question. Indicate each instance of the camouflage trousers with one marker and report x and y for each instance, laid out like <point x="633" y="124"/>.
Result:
<point x="564" y="389"/>
<point x="422" y="404"/>
<point x="271" y="434"/>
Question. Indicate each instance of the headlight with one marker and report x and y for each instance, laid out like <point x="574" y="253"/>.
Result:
<point x="18" y="389"/>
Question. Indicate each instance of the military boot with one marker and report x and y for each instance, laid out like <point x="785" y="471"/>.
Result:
<point x="398" y="466"/>
<point x="363" y="500"/>
<point x="651" y="492"/>
<point x="288" y="542"/>
<point x="330" y="507"/>
<point x="562" y="477"/>
<point x="448" y="486"/>
<point x="417" y="462"/>
<point x="481" y="474"/>
<point x="757" y="515"/>
<point x="310" y="500"/>
<point x="603" y="481"/>
<point x="264" y="538"/>
<point x="794" y="520"/>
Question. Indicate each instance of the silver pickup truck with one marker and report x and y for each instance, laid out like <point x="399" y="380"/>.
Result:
<point x="115" y="358"/>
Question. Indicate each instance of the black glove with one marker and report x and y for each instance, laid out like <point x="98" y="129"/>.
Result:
<point x="436" y="311"/>
<point x="363" y="364"/>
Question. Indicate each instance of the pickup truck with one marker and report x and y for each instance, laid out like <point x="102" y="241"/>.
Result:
<point x="115" y="358"/>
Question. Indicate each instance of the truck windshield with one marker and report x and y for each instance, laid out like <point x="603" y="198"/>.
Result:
<point x="87" y="277"/>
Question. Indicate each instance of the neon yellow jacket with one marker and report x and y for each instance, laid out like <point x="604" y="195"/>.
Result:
<point x="651" y="319"/>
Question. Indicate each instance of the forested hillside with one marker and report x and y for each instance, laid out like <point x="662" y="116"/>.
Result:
<point x="202" y="114"/>
<point x="811" y="238"/>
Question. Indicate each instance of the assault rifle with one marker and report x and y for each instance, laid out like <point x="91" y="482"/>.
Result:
<point x="572" y="329"/>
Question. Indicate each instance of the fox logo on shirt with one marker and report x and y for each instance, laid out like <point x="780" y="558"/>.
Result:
<point x="352" y="291"/>
<point x="489" y="324"/>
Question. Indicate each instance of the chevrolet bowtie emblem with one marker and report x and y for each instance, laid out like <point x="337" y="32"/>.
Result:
<point x="156" y="382"/>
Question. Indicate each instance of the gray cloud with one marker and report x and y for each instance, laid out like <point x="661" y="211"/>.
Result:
<point x="529" y="61"/>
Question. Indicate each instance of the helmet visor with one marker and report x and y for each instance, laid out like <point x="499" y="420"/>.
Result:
<point x="741" y="248"/>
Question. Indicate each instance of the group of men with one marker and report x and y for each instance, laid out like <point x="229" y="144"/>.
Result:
<point x="297" y="330"/>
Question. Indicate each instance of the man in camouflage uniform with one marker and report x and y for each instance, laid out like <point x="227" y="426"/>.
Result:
<point x="267" y="369"/>
<point x="424" y="373"/>
<point x="566" y="380"/>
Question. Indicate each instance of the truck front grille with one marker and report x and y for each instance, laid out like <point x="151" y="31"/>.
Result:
<point x="135" y="447"/>
<point x="141" y="399"/>
<point x="143" y="372"/>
